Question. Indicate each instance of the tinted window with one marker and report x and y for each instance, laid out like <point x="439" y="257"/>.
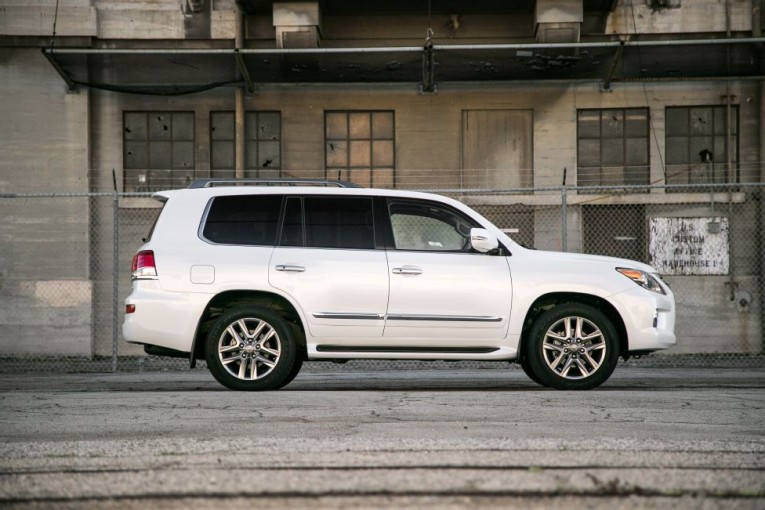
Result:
<point x="248" y="220"/>
<point x="332" y="222"/>
<point x="292" y="230"/>
<point x="425" y="227"/>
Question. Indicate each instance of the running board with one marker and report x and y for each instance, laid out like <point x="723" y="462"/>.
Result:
<point x="386" y="349"/>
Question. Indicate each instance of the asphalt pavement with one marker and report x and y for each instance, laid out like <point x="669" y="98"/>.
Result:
<point x="648" y="438"/>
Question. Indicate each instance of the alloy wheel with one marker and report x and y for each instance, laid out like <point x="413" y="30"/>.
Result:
<point x="249" y="348"/>
<point x="574" y="347"/>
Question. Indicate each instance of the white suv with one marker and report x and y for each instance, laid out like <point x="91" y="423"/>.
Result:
<point x="258" y="279"/>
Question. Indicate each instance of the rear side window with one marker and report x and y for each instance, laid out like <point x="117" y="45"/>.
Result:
<point x="339" y="222"/>
<point x="250" y="220"/>
<point x="292" y="229"/>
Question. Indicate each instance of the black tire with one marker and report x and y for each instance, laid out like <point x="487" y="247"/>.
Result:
<point x="293" y="373"/>
<point x="562" y="359"/>
<point x="262" y="358"/>
<point x="523" y="361"/>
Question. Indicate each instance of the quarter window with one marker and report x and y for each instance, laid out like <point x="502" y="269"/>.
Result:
<point x="425" y="227"/>
<point x="249" y="220"/>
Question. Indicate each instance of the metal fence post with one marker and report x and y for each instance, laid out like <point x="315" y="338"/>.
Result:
<point x="564" y="218"/>
<point x="759" y="222"/>
<point x="115" y="271"/>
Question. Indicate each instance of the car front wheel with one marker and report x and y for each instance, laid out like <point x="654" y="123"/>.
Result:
<point x="573" y="347"/>
<point x="251" y="348"/>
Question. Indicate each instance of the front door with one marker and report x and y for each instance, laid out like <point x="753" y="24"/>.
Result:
<point x="439" y="288"/>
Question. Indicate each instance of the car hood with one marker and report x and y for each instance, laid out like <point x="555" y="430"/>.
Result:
<point x="559" y="257"/>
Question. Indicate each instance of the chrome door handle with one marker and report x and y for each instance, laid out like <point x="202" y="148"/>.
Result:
<point x="407" y="270"/>
<point x="291" y="268"/>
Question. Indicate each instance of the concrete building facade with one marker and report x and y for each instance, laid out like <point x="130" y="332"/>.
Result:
<point x="479" y="96"/>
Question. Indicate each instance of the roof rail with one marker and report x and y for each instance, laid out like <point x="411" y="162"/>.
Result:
<point x="209" y="183"/>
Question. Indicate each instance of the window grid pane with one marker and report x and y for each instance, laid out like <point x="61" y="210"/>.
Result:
<point x="158" y="150"/>
<point x="262" y="134"/>
<point x="360" y="146"/>
<point x="612" y="147"/>
<point x="697" y="145"/>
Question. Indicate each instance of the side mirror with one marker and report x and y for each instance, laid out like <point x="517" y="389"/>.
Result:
<point x="482" y="240"/>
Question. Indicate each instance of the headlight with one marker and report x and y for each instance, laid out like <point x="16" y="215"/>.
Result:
<point x="643" y="279"/>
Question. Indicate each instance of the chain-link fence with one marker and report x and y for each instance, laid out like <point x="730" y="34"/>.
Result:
<point x="66" y="267"/>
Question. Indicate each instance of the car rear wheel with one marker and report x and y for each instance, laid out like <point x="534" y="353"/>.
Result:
<point x="251" y="348"/>
<point x="573" y="347"/>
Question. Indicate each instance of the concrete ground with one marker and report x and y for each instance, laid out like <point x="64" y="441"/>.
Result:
<point x="648" y="438"/>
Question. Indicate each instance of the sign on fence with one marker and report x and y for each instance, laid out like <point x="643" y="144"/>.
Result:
<point x="689" y="246"/>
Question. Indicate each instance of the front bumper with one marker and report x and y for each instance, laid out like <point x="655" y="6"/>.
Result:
<point x="649" y="318"/>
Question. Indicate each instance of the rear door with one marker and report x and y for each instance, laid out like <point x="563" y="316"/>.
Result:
<point x="328" y="262"/>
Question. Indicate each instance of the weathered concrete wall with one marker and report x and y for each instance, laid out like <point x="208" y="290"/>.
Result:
<point x="159" y="19"/>
<point x="45" y="289"/>
<point x="695" y="16"/>
<point x="36" y="18"/>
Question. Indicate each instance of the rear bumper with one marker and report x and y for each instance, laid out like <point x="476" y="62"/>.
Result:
<point x="161" y="318"/>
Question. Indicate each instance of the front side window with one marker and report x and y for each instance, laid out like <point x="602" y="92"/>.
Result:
<point x="612" y="147"/>
<point x="158" y="150"/>
<point x="426" y="227"/>
<point x="339" y="222"/>
<point x="698" y="147"/>
<point x="250" y="220"/>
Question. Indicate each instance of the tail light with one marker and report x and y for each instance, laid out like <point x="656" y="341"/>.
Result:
<point x="144" y="267"/>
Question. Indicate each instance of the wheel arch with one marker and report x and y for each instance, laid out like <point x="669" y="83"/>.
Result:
<point x="547" y="301"/>
<point x="233" y="298"/>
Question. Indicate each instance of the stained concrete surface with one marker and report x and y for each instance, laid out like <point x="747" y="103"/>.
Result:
<point x="648" y="438"/>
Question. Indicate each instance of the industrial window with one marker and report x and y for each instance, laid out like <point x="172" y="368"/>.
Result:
<point x="360" y="147"/>
<point x="158" y="150"/>
<point x="262" y="133"/>
<point x="612" y="147"/>
<point x="697" y="145"/>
